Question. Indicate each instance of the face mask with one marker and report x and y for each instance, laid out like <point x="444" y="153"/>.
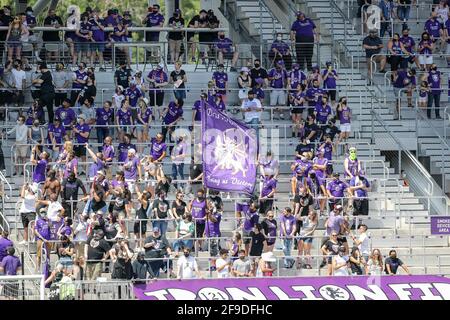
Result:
<point x="79" y="121"/>
<point x="29" y="13"/>
<point x="242" y="257"/>
<point x="222" y="37"/>
<point x="352" y="156"/>
<point x="186" y="254"/>
<point x="279" y="38"/>
<point x="257" y="65"/>
<point x="434" y="68"/>
<point x="220" y="70"/>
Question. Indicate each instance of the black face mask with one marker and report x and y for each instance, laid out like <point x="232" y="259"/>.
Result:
<point x="257" y="65"/>
<point x="222" y="37"/>
<point x="186" y="254"/>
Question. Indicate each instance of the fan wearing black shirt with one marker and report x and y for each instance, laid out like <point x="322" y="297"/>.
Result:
<point x="175" y="38"/>
<point x="312" y="130"/>
<point x="259" y="72"/>
<point x="303" y="147"/>
<point x="96" y="250"/>
<point x="198" y="21"/>
<point x="122" y="75"/>
<point x="330" y="129"/>
<point x="47" y="92"/>
<point x="69" y="192"/>
<point x="195" y="176"/>
<point x="257" y="241"/>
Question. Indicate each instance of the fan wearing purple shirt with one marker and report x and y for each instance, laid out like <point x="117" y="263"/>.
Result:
<point x="288" y="229"/>
<point x="98" y="36"/>
<point x="143" y="120"/>
<point x="153" y="19"/>
<point x="248" y="216"/>
<point x="67" y="116"/>
<point x="322" y="111"/>
<point x="410" y="45"/>
<point x="124" y="147"/>
<point x="43" y="234"/>
<point x="226" y="50"/>
<point x="220" y="78"/>
<point x="268" y="189"/>
<point x="104" y="118"/>
<point x="278" y="82"/>
<point x="124" y="119"/>
<point x="279" y="50"/>
<point x="434" y="79"/>
<point x="84" y="38"/>
<point x="132" y="169"/>
<point x="79" y="80"/>
<point x="82" y="131"/>
<point x="172" y="115"/>
<point x="303" y="32"/>
<point x="197" y="109"/>
<point x="212" y="232"/>
<point x="404" y="82"/>
<point x="157" y="79"/>
<point x="426" y="47"/>
<point x="433" y="26"/>
<point x="330" y="76"/>
<point x="55" y="137"/>
<point x="97" y="165"/>
<point x="179" y="154"/>
<point x="157" y="148"/>
<point x="313" y="95"/>
<point x="5" y="243"/>
<point x="40" y="170"/>
<point x="335" y="191"/>
<point x="10" y="266"/>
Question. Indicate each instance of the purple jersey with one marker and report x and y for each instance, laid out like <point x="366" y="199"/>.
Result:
<point x="289" y="223"/>
<point x="296" y="77"/>
<point x="250" y="218"/>
<point x="42" y="226"/>
<point x="58" y="132"/>
<point x="154" y="20"/>
<point x="39" y="171"/>
<point x="82" y="128"/>
<point x="281" y="46"/>
<point x="353" y="166"/>
<point x="159" y="76"/>
<point x="103" y="116"/>
<point x="97" y="33"/>
<point x="85" y="28"/>
<point x="225" y="45"/>
<point x="123" y="151"/>
<point x="219" y="104"/>
<point x="130" y="168"/>
<point x="279" y="78"/>
<point x="337" y="188"/>
<point x="67" y="116"/>
<point x="303" y="28"/>
<point x="108" y="152"/>
<point x="259" y="93"/>
<point x="323" y="112"/>
<point x="330" y="81"/>
<point x="314" y="94"/>
<point x="433" y="27"/>
<point x="212" y="229"/>
<point x="345" y="115"/>
<point x="124" y="117"/>
<point x="220" y="79"/>
<point x="408" y="43"/>
<point x="302" y="168"/>
<point x="157" y="148"/>
<point x="70" y="167"/>
<point x="198" y="211"/>
<point x="198" y="107"/>
<point x="38" y="113"/>
<point x="173" y="113"/>
<point x="117" y="38"/>
<point x="269" y="184"/>
<point x="145" y="116"/>
<point x="320" y="173"/>
<point x="424" y="50"/>
<point x="95" y="167"/>
<point x="79" y="76"/>
<point x="10" y="264"/>
<point x="133" y="96"/>
<point x="434" y="79"/>
<point x="4" y="245"/>
<point x="447" y="26"/>
<point x="328" y="154"/>
<point x="359" y="193"/>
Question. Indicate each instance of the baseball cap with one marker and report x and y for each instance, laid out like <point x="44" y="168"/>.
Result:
<point x="155" y="229"/>
<point x="101" y="172"/>
<point x="81" y="116"/>
<point x="146" y="100"/>
<point x="244" y="69"/>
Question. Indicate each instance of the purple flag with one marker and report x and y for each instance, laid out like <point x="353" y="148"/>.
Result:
<point x="229" y="152"/>
<point x="416" y="287"/>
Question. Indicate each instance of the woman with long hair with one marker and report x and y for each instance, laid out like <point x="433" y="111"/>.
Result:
<point x="16" y="31"/>
<point x="144" y="119"/>
<point x="306" y="233"/>
<point x="375" y="264"/>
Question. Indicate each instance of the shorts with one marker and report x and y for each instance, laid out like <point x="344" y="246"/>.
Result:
<point x="332" y="94"/>
<point x="14" y="44"/>
<point x="80" y="151"/>
<point x="246" y="237"/>
<point x="83" y="46"/>
<point x="361" y="207"/>
<point x="228" y="55"/>
<point x="425" y="59"/>
<point x="200" y="229"/>
<point x="213" y="247"/>
<point x="297" y="110"/>
<point x="306" y="239"/>
<point x="277" y="97"/>
<point x="394" y="61"/>
<point x="27" y="217"/>
<point x="70" y="35"/>
<point x="398" y="91"/>
<point x="142" y="128"/>
<point x="97" y="46"/>
<point x="406" y="60"/>
<point x="140" y="227"/>
<point x="21" y="151"/>
<point x="345" y="127"/>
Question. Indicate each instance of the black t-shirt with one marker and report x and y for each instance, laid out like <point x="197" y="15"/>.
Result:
<point x="178" y="76"/>
<point x="47" y="84"/>
<point x="71" y="189"/>
<point x="332" y="131"/>
<point x="162" y="208"/>
<point x="179" y="23"/>
<point x="100" y="204"/>
<point x="194" y="20"/>
<point x="65" y="245"/>
<point x="179" y="208"/>
<point x="97" y="248"/>
<point x="195" y="170"/>
<point x="372" y="42"/>
<point x="162" y="187"/>
<point x="394" y="264"/>
<point x="310" y="128"/>
<point x="258" y="73"/>
<point x="305" y="202"/>
<point x="122" y="76"/>
<point x="304" y="148"/>
<point x="332" y="247"/>
<point x="159" y="248"/>
<point x="257" y="244"/>
<point x="51" y="35"/>
<point x="5" y="21"/>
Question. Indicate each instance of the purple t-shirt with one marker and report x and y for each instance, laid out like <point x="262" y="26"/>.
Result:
<point x="279" y="78"/>
<point x="296" y="76"/>
<point x="424" y="50"/>
<point x="145" y="116"/>
<point x="212" y="229"/>
<point x="224" y="44"/>
<point x="303" y="28"/>
<point x="403" y="80"/>
<point x="4" y="245"/>
<point x="66" y="230"/>
<point x="269" y="184"/>
<point x="219" y="104"/>
<point x="173" y="113"/>
<point x="157" y="149"/>
<point x="336" y="188"/>
<point x="289" y="223"/>
<point x="154" y="20"/>
<point x="110" y="20"/>
<point x="95" y="167"/>
<point x="133" y="96"/>
<point x="97" y="34"/>
<point x="198" y="107"/>
<point x="103" y="116"/>
<point x="315" y="93"/>
<point x="130" y="168"/>
<point x="330" y="81"/>
<point x="123" y="151"/>
<point x="433" y="26"/>
<point x="70" y="167"/>
<point x="31" y="116"/>
<point x="345" y="115"/>
<point x="302" y="168"/>
<point x="281" y="46"/>
<point x="58" y="133"/>
<point x="43" y="227"/>
<point x="198" y="211"/>
<point x="408" y="42"/>
<point x="108" y="152"/>
<point x="79" y="76"/>
<point x="39" y="171"/>
<point x="82" y="128"/>
<point x="250" y="218"/>
<point x="434" y="79"/>
<point x="220" y="79"/>
<point x="320" y="173"/>
<point x="328" y="154"/>
<point x="67" y="116"/>
<point x="360" y="193"/>
<point x="124" y="117"/>
<point x="334" y="224"/>
<point x="323" y="113"/>
<point x="10" y="265"/>
<point x="159" y="76"/>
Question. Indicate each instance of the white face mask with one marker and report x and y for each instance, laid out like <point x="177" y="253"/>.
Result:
<point x="279" y="38"/>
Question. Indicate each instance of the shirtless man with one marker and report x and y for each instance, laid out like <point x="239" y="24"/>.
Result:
<point x="51" y="185"/>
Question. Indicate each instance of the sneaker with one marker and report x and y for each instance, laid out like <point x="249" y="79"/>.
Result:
<point x="23" y="242"/>
<point x="193" y="59"/>
<point x="212" y="268"/>
<point x="38" y="59"/>
<point x="323" y="264"/>
<point x="383" y="71"/>
<point x="282" y="116"/>
<point x="102" y="69"/>
<point x="439" y="117"/>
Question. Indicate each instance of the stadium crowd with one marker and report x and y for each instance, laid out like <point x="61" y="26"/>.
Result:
<point x="91" y="203"/>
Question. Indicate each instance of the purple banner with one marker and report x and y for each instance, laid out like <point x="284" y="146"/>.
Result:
<point x="440" y="225"/>
<point x="300" y="288"/>
<point x="229" y="152"/>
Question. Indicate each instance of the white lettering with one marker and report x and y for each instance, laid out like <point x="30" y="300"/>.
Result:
<point x="399" y="289"/>
<point x="159" y="294"/>
<point x="281" y="294"/>
<point x="361" y="293"/>
<point x="181" y="294"/>
<point x="425" y="287"/>
<point x="307" y="291"/>
<point x="238" y="294"/>
<point x="444" y="289"/>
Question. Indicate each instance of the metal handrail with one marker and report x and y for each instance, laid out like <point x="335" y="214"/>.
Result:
<point x="419" y="166"/>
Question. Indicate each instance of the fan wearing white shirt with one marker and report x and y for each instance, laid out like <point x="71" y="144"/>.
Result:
<point x="362" y="241"/>
<point x="19" y="77"/>
<point x="223" y="264"/>
<point x="251" y="108"/>
<point x="187" y="266"/>
<point x="21" y="147"/>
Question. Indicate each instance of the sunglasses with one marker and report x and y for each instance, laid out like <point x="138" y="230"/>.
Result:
<point x="334" y="235"/>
